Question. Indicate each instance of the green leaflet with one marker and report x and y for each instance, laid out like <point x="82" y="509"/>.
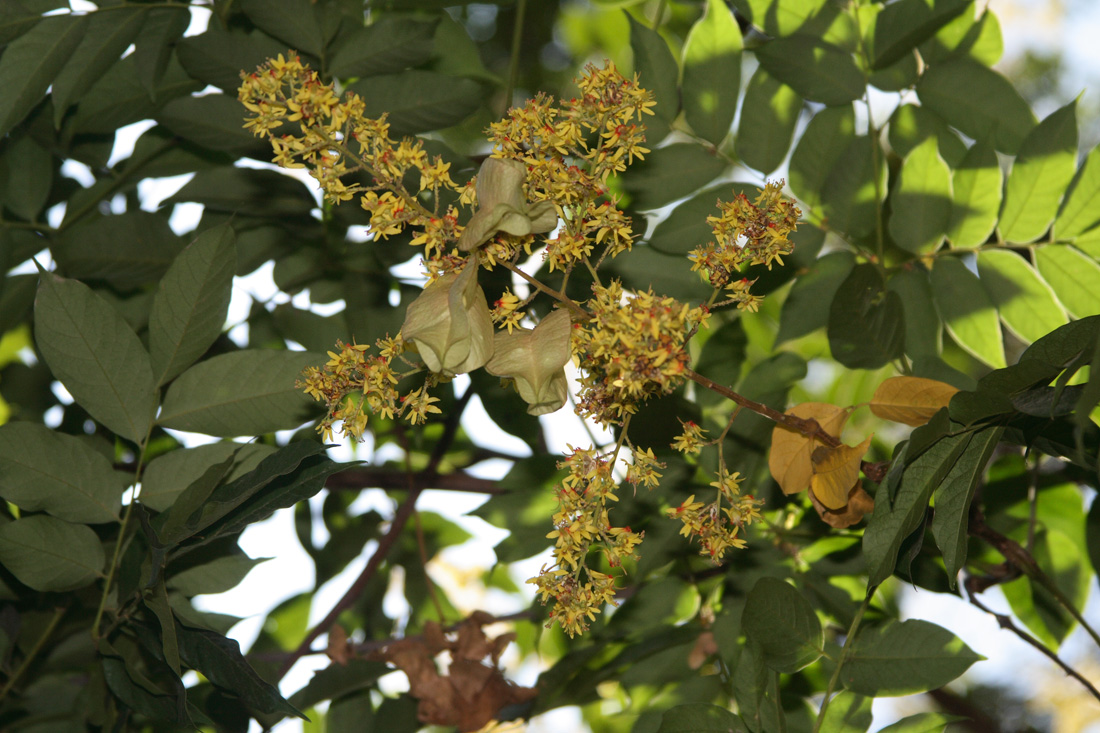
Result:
<point x="903" y="658"/>
<point x="976" y="197"/>
<point x="818" y="70"/>
<point x="768" y="118"/>
<point x="783" y="624"/>
<point x="712" y="72"/>
<point x="1074" y="276"/>
<point x="967" y="311"/>
<point x="921" y="200"/>
<point x="1025" y="302"/>
<point x="1080" y="210"/>
<point x="50" y="554"/>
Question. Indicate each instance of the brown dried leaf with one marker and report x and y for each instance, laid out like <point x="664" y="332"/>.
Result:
<point x="339" y="650"/>
<point x="790" y="456"/>
<point x="835" y="471"/>
<point x="911" y="400"/>
<point x="704" y="647"/>
<point x="859" y="504"/>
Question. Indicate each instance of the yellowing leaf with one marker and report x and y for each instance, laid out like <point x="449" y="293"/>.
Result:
<point x="789" y="459"/>
<point x="836" y="471"/>
<point x="860" y="503"/>
<point x="910" y="400"/>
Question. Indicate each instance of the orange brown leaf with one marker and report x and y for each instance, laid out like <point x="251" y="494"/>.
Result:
<point x="911" y="400"/>
<point x="790" y="457"/>
<point x="836" y="470"/>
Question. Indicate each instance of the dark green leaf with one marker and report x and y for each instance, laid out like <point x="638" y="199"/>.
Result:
<point x="338" y="680"/>
<point x="49" y="554"/>
<point x="157" y="706"/>
<point x="967" y="311"/>
<point x="815" y="68"/>
<point x="979" y="39"/>
<point x="191" y="303"/>
<point x="213" y="121"/>
<point x="976" y="196"/>
<point x="30" y="64"/>
<point x="522" y="508"/>
<point x="294" y="22"/>
<point x="921" y="200"/>
<point x="1025" y="302"/>
<point x="418" y="101"/>
<point x="698" y="717"/>
<point x="783" y="624"/>
<point x="866" y="324"/>
<point x="904" y="25"/>
<point x="249" y="191"/>
<point x="923" y="330"/>
<point x="218" y="56"/>
<point x="219" y="660"/>
<point x="29" y="176"/>
<point x="120" y="98"/>
<point x="217" y="576"/>
<point x="384" y="47"/>
<point x="911" y="125"/>
<point x="169" y="475"/>
<point x="127" y="251"/>
<point x="44" y="470"/>
<point x="905" y="658"/>
<point x="890" y="525"/>
<point x="978" y="101"/>
<point x="157" y="601"/>
<point x="241" y="393"/>
<point x="768" y="118"/>
<point x="105" y="38"/>
<point x="712" y="72"/>
<point x="1043" y="169"/>
<point x="91" y="350"/>
<point x="686" y="227"/>
<point x="1079" y="209"/>
<point x="156" y="42"/>
<point x="802" y="312"/>
<point x="1065" y="345"/>
<point x="672" y="172"/>
<point x="722" y="357"/>
<point x="953" y="497"/>
<point x="821" y="145"/>
<point x="657" y="71"/>
<point x="848" y="196"/>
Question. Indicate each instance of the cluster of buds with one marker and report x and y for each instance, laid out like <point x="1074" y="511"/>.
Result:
<point x="581" y="524"/>
<point x="746" y="233"/>
<point x="632" y="347"/>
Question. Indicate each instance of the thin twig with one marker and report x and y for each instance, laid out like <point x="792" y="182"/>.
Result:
<point x="513" y="62"/>
<point x="33" y="653"/>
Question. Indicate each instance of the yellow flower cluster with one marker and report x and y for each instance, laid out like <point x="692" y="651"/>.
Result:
<point x="717" y="527"/>
<point x="632" y="347"/>
<point x="581" y="524"/>
<point x="333" y="139"/>
<point x="569" y="149"/>
<point x="353" y="384"/>
<point x="746" y="233"/>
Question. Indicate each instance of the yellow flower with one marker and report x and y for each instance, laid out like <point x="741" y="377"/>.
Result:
<point x="450" y="325"/>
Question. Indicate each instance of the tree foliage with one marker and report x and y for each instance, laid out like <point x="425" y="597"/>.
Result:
<point x="934" y="255"/>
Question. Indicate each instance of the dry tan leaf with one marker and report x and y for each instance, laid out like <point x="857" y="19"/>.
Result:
<point x="860" y="503"/>
<point x="339" y="650"/>
<point x="704" y="647"/>
<point x="911" y="400"/>
<point x="835" y="471"/>
<point x="790" y="456"/>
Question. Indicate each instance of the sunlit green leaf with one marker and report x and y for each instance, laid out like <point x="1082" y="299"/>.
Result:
<point x="1074" y="276"/>
<point x="821" y="145"/>
<point x="712" y="72"/>
<point x="1080" y="210"/>
<point x="921" y="200"/>
<point x="903" y="25"/>
<point x="768" y="118"/>
<point x="967" y="311"/>
<point x="978" y="38"/>
<point x="976" y="193"/>
<point x="1025" y="302"/>
<point x="911" y="124"/>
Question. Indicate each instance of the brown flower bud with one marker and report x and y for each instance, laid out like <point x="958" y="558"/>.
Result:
<point x="450" y="325"/>
<point x="535" y="360"/>
<point x="502" y="208"/>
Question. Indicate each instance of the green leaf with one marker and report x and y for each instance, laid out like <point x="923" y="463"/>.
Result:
<point x="699" y="717"/>
<point x="721" y="358"/>
<point x="904" y="25"/>
<point x="849" y="192"/>
<point x="967" y="311"/>
<point x="657" y="70"/>
<point x="29" y="169"/>
<point x="418" y="101"/>
<point x="672" y="172"/>
<point x="810" y="17"/>
<point x="43" y="470"/>
<point x="105" y="39"/>
<point x="1040" y="175"/>
<point x="1074" y="276"/>
<point x="922" y="723"/>
<point x="1062" y="559"/>
<point x="866" y="323"/>
<point x="217" y="576"/>
<point x="822" y="143"/>
<point x="262" y="193"/>
<point x="954" y="495"/>
<point x="191" y="303"/>
<point x="921" y="200"/>
<point x="890" y="525"/>
<point x="218" y="56"/>
<point x="120" y="98"/>
<point x="784" y="624"/>
<point x="213" y="121"/>
<point x="91" y="350"/>
<point x="49" y="554"/>
<point x="30" y="64"/>
<point x="848" y="713"/>
<point x="241" y="393"/>
<point x="768" y="118"/>
<point x="976" y="196"/>
<point x="127" y="250"/>
<point x="1027" y="305"/>
<point x="816" y="69"/>
<point x="686" y="227"/>
<point x="911" y="125"/>
<point x="389" y="45"/>
<point x="219" y="660"/>
<point x="155" y="44"/>
<point x="923" y="329"/>
<point x="978" y="101"/>
<point x="712" y="72"/>
<point x="802" y="312"/>
<point x="338" y="680"/>
<point x="169" y="475"/>
<point x="1080" y="210"/>
<point x="904" y="658"/>
<point x="294" y="22"/>
<point x="979" y="39"/>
